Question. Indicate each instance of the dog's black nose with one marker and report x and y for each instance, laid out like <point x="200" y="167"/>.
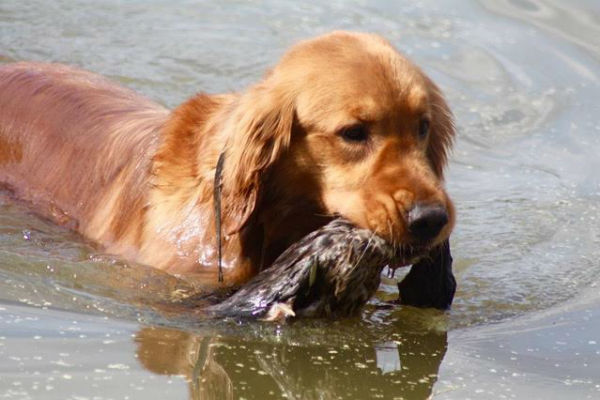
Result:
<point x="426" y="221"/>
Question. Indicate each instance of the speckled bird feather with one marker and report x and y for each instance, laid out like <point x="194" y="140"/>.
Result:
<point x="332" y="272"/>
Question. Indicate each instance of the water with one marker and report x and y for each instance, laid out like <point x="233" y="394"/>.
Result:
<point x="522" y="78"/>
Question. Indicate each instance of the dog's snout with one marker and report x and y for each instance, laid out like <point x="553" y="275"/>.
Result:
<point x="426" y="221"/>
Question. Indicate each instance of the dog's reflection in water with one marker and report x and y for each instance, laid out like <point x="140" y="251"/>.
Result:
<point x="231" y="367"/>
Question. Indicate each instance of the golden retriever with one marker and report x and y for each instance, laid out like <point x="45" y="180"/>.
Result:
<point x="342" y="125"/>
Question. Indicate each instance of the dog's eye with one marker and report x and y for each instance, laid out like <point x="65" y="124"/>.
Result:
<point x="423" y="128"/>
<point x="355" y="133"/>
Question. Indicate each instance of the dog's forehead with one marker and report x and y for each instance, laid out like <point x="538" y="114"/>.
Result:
<point x="364" y="96"/>
<point x="359" y="76"/>
<point x="371" y="107"/>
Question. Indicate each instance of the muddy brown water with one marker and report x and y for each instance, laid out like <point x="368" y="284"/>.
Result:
<point x="522" y="77"/>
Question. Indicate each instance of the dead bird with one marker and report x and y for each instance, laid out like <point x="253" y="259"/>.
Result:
<point x="333" y="272"/>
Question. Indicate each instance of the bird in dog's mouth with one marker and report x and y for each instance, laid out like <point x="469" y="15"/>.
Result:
<point x="333" y="272"/>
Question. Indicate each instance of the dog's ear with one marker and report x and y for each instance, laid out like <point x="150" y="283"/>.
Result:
<point x="258" y="132"/>
<point x="442" y="130"/>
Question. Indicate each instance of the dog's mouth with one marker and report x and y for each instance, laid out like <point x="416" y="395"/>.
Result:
<point x="405" y="256"/>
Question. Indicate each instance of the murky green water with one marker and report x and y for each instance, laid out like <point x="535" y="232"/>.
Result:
<point x="523" y="79"/>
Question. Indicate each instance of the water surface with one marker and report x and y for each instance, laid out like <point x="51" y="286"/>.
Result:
<point x="522" y="79"/>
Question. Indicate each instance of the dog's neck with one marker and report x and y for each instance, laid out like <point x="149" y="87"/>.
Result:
<point x="181" y="196"/>
<point x="189" y="145"/>
<point x="183" y="189"/>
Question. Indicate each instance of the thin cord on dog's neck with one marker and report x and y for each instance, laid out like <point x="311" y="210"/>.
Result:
<point x="217" y="199"/>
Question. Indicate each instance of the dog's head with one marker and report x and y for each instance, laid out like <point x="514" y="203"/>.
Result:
<point x="348" y="125"/>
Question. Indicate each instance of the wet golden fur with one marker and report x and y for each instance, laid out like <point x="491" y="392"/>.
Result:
<point x="138" y="179"/>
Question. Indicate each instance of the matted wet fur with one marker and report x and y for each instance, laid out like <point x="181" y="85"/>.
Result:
<point x="342" y="125"/>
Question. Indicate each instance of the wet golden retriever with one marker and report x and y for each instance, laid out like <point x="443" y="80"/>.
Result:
<point x="342" y="125"/>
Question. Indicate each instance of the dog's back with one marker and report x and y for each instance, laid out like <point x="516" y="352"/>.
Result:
<point x="70" y="141"/>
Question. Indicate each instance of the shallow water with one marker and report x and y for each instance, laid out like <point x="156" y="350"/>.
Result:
<point x="522" y="79"/>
